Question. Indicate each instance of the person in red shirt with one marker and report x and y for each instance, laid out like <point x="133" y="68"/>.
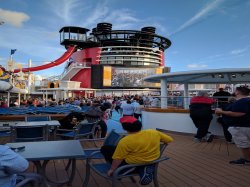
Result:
<point x="201" y="115"/>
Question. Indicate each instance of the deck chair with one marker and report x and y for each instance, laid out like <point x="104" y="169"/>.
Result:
<point x="37" y="118"/>
<point x="30" y="179"/>
<point x="81" y="130"/>
<point x="129" y="170"/>
<point x="29" y="133"/>
<point x="111" y="139"/>
<point x="4" y="133"/>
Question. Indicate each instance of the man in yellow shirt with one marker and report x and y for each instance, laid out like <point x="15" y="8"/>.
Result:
<point x="138" y="147"/>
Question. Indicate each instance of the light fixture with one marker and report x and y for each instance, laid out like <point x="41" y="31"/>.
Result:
<point x="221" y="76"/>
<point x="233" y="76"/>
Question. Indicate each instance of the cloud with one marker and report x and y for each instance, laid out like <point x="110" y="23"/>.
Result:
<point x="39" y="77"/>
<point x="197" y="66"/>
<point x="32" y="42"/>
<point x="13" y="18"/>
<point x="65" y="9"/>
<point x="201" y="15"/>
<point x="98" y="13"/>
<point x="239" y="51"/>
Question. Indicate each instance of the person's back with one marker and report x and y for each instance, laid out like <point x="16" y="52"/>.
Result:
<point x="201" y="106"/>
<point x="138" y="147"/>
<point x="127" y="108"/>
<point x="139" y="150"/>
<point x="11" y="164"/>
<point x="201" y="115"/>
<point x="221" y="96"/>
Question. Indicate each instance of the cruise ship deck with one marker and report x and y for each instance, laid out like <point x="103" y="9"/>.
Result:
<point x="190" y="164"/>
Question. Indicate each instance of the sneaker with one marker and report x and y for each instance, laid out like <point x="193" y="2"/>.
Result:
<point x="210" y="138"/>
<point x="146" y="174"/>
<point x="197" y="140"/>
<point x="240" y="161"/>
<point x="230" y="141"/>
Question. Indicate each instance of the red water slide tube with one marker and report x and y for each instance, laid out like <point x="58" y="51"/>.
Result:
<point x="57" y="62"/>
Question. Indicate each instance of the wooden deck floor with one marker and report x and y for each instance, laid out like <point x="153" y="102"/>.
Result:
<point x="190" y="164"/>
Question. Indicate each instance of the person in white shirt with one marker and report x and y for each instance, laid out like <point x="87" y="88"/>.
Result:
<point x="138" y="109"/>
<point x="127" y="108"/>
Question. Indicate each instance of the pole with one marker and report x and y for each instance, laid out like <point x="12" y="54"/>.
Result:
<point x="8" y="99"/>
<point x="186" y="99"/>
<point x="164" y="93"/>
<point x="29" y="77"/>
<point x="19" y="98"/>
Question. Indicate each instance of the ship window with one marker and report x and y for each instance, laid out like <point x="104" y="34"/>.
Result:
<point x="118" y="62"/>
<point x="134" y="63"/>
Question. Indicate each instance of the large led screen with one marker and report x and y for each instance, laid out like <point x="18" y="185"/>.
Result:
<point x="129" y="77"/>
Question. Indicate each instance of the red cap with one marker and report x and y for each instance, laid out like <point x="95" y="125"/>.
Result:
<point x="128" y="119"/>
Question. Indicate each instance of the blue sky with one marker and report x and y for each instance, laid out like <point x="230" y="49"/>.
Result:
<point x="205" y="34"/>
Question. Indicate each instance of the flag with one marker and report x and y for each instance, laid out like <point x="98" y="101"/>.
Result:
<point x="12" y="51"/>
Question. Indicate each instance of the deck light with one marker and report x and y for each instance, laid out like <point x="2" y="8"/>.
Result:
<point x="221" y="76"/>
<point x="233" y="76"/>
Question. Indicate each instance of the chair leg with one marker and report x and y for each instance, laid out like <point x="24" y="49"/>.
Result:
<point x="87" y="175"/>
<point x="155" y="179"/>
<point x="114" y="182"/>
<point x="68" y="164"/>
<point x="73" y="171"/>
<point x="132" y="179"/>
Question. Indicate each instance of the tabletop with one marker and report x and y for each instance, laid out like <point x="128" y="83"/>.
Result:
<point x="50" y="150"/>
<point x="7" y="124"/>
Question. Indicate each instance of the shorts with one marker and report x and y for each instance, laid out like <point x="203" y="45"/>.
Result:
<point x="241" y="136"/>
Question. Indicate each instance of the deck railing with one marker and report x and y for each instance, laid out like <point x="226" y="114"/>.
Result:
<point x="179" y="102"/>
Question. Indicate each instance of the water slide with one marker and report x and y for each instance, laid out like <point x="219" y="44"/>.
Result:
<point x="57" y="62"/>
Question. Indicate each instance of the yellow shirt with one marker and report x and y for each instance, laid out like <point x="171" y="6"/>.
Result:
<point x="141" y="147"/>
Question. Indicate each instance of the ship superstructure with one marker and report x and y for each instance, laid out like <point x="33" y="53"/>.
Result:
<point x="113" y="59"/>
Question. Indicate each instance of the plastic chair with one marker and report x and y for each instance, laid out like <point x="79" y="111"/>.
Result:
<point x="129" y="170"/>
<point x="79" y="131"/>
<point x="29" y="133"/>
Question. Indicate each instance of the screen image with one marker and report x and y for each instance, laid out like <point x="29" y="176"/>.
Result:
<point x="129" y="77"/>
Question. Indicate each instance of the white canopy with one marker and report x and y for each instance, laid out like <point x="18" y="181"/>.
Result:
<point x="226" y="76"/>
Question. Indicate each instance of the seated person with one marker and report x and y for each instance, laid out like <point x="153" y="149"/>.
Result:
<point x="71" y="120"/>
<point x="11" y="164"/>
<point x="138" y="147"/>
